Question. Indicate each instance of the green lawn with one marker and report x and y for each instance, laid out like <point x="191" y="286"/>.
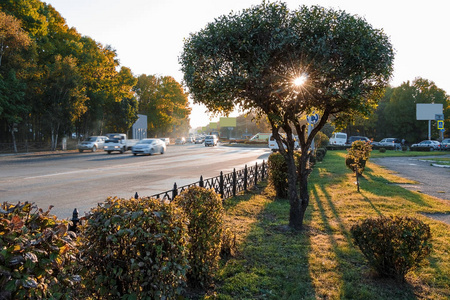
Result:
<point x="322" y="262"/>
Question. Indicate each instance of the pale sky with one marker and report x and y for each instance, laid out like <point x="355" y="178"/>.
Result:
<point x="148" y="34"/>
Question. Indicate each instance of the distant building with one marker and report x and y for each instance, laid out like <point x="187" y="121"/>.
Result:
<point x="139" y="129"/>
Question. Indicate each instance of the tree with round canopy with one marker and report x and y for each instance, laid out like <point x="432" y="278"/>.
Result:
<point x="284" y="64"/>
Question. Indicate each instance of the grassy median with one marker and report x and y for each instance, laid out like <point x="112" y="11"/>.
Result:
<point x="322" y="261"/>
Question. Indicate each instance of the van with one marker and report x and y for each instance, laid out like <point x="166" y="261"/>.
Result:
<point x="273" y="145"/>
<point x="339" y="139"/>
<point x="211" y="140"/>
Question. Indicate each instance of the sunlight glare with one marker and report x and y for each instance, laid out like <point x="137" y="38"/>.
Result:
<point x="300" y="80"/>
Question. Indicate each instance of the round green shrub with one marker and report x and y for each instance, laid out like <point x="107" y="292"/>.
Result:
<point x="38" y="255"/>
<point x="393" y="246"/>
<point x="135" y="248"/>
<point x="278" y="175"/>
<point x="382" y="150"/>
<point x="204" y="210"/>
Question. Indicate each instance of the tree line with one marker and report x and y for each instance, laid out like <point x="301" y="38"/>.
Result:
<point x="55" y="82"/>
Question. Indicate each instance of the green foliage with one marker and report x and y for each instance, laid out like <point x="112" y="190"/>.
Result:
<point x="321" y="140"/>
<point x="205" y="213"/>
<point x="382" y="150"/>
<point x="357" y="156"/>
<point x="278" y="173"/>
<point x="320" y="153"/>
<point x="228" y="244"/>
<point x="37" y="255"/>
<point x="134" y="248"/>
<point x="393" y="246"/>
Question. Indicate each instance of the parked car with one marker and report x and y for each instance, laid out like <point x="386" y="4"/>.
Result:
<point x="445" y="144"/>
<point x="273" y="145"/>
<point x="118" y="142"/>
<point x="149" y="147"/>
<point x="180" y="141"/>
<point x="190" y="139"/>
<point x="211" y="140"/>
<point x="394" y="143"/>
<point x="338" y="138"/>
<point x="430" y="144"/>
<point x="92" y="143"/>
<point x="355" y="138"/>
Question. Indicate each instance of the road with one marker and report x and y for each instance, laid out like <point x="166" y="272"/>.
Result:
<point x="81" y="180"/>
<point x="432" y="180"/>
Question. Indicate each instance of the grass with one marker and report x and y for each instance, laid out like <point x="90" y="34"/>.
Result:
<point x="322" y="262"/>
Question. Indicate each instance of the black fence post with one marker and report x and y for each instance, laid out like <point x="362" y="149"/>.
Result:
<point x="174" y="191"/>
<point x="201" y="183"/>
<point x="75" y="220"/>
<point x="245" y="177"/>
<point x="256" y="174"/>
<point x="234" y="182"/>
<point x="263" y="170"/>
<point x="136" y="196"/>
<point x="221" y="189"/>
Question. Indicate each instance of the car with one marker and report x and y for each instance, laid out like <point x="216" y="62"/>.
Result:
<point x="430" y="144"/>
<point x="149" y="147"/>
<point x="211" y="140"/>
<point x="273" y="145"/>
<point x="180" y="141"/>
<point x="355" y="138"/>
<point x="166" y="140"/>
<point x="190" y="139"/>
<point x="394" y="143"/>
<point x="445" y="144"/>
<point x="199" y="139"/>
<point x="338" y="138"/>
<point x="92" y="143"/>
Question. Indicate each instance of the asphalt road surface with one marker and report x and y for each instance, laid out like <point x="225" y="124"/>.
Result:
<point x="432" y="180"/>
<point x="69" y="180"/>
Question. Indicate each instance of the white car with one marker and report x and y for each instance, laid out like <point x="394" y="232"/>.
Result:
<point x="338" y="138"/>
<point x="92" y="143"/>
<point x="149" y="147"/>
<point x="432" y="145"/>
<point x="211" y="140"/>
<point x="273" y="145"/>
<point x="391" y="142"/>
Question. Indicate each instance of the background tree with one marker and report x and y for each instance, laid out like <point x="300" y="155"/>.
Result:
<point x="400" y="112"/>
<point x="165" y="103"/>
<point x="251" y="58"/>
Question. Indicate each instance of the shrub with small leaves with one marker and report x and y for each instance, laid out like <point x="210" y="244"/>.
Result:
<point x="204" y="210"/>
<point x="278" y="175"/>
<point x="38" y="254"/>
<point x="134" y="249"/>
<point x="228" y="247"/>
<point x="382" y="150"/>
<point x="393" y="246"/>
<point x="357" y="157"/>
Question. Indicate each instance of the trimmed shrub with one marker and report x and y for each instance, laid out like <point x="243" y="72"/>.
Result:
<point x="228" y="247"/>
<point x="278" y="176"/>
<point x="382" y="150"/>
<point x="135" y="249"/>
<point x="393" y="246"/>
<point x="320" y="154"/>
<point x="38" y="254"/>
<point x="204" y="210"/>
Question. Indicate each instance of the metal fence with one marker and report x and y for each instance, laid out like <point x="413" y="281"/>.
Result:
<point x="227" y="185"/>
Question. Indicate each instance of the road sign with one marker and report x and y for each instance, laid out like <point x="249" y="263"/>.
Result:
<point x="440" y="124"/>
<point x="439" y="117"/>
<point x="313" y="119"/>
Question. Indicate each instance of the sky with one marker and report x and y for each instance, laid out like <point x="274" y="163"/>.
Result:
<point x="148" y="35"/>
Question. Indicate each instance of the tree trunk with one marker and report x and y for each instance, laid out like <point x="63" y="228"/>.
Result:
<point x="304" y="172"/>
<point x="295" y="214"/>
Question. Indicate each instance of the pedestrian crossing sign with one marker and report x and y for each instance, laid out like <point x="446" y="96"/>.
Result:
<point x="440" y="124"/>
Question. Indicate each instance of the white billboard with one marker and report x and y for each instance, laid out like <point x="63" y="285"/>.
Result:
<point x="428" y="111"/>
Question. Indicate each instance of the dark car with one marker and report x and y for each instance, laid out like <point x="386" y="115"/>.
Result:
<point x="355" y="138"/>
<point x="445" y="144"/>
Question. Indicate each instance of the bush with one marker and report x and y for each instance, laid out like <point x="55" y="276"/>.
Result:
<point x="38" y="254"/>
<point x="321" y="140"/>
<point x="382" y="150"/>
<point x="393" y="246"/>
<point x="278" y="176"/>
<point x="228" y="247"/>
<point x="135" y="248"/>
<point x="204" y="210"/>
<point x="357" y="156"/>
<point x="320" y="153"/>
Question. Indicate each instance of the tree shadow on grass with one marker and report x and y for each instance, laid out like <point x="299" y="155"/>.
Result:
<point x="349" y="272"/>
